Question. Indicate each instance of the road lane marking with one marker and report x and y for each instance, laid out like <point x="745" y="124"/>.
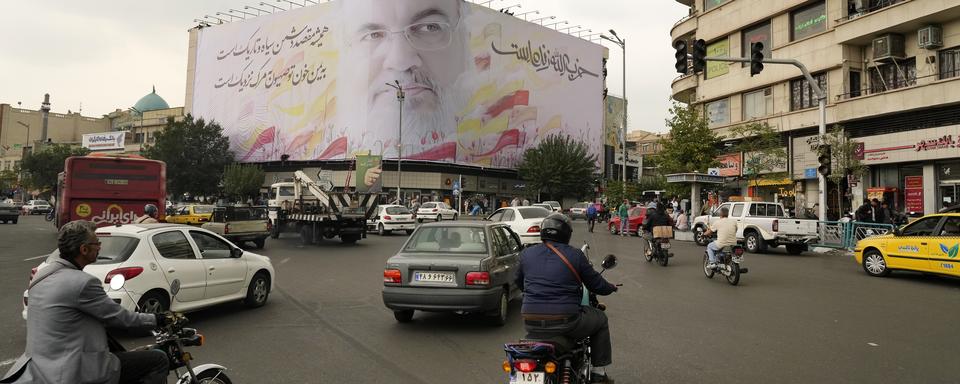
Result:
<point x="284" y="261"/>
<point x="36" y="257"/>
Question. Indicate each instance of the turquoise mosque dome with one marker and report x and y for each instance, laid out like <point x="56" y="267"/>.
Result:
<point x="151" y="102"/>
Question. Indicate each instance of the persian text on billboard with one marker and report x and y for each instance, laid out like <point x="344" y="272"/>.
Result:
<point x="480" y="87"/>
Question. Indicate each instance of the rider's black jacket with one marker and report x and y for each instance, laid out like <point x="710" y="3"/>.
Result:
<point x="549" y="287"/>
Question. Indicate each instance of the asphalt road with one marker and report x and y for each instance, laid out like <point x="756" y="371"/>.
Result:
<point x="793" y="319"/>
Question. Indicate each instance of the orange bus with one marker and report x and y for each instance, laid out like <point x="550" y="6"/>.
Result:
<point x="109" y="189"/>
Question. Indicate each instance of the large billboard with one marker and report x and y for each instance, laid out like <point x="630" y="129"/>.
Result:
<point x="320" y="82"/>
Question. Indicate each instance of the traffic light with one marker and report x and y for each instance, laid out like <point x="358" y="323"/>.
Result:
<point x="699" y="56"/>
<point x="756" y="58"/>
<point x="681" y="55"/>
<point x="824" y="160"/>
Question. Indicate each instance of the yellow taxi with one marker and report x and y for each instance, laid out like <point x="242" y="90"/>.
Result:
<point x="191" y="214"/>
<point x="930" y="244"/>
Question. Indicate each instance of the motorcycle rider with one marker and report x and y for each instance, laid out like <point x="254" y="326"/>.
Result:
<point x="726" y="229"/>
<point x="655" y="217"/>
<point x="552" y="276"/>
<point x="149" y="215"/>
<point x="66" y="320"/>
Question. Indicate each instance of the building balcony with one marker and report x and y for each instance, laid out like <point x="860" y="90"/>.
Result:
<point x="684" y="28"/>
<point x="684" y="88"/>
<point x="894" y="16"/>
<point x="904" y="97"/>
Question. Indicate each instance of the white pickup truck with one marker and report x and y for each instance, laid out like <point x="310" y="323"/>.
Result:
<point x="761" y="225"/>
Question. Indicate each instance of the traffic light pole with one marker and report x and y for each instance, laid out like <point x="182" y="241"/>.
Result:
<point x="822" y="104"/>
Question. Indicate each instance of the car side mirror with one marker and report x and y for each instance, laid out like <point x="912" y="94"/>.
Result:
<point x="897" y="231"/>
<point x="236" y="253"/>
<point x="609" y="262"/>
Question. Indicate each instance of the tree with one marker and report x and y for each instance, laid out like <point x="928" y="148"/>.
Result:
<point x="844" y="159"/>
<point x="242" y="181"/>
<point x="40" y="168"/>
<point x="690" y="147"/>
<point x="8" y="181"/>
<point x="762" y="148"/>
<point x="616" y="191"/>
<point x="196" y="153"/>
<point x="559" y="166"/>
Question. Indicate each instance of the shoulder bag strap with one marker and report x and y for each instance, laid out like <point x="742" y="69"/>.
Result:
<point x="565" y="261"/>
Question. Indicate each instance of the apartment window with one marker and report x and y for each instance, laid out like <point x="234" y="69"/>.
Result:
<point x="801" y="93"/>
<point x="711" y="4"/>
<point x="950" y="63"/>
<point x="808" y="21"/>
<point x="897" y="74"/>
<point x="757" y="104"/>
<point x="718" y="49"/>
<point x="756" y="34"/>
<point x="854" y="83"/>
<point x="718" y="112"/>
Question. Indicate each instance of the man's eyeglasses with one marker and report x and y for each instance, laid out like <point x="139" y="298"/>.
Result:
<point x="424" y="36"/>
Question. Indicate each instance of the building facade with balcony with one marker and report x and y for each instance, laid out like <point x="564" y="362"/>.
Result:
<point x="891" y="72"/>
<point x="62" y="128"/>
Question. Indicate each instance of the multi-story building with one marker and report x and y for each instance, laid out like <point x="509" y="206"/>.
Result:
<point x="142" y="122"/>
<point x="891" y="71"/>
<point x="17" y="123"/>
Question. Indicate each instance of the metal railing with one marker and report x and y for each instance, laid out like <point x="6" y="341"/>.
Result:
<point x="876" y="6"/>
<point x="845" y="235"/>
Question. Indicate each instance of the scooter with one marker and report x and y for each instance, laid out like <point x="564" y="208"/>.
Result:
<point x="729" y="259"/>
<point x="171" y="339"/>
<point x="557" y="359"/>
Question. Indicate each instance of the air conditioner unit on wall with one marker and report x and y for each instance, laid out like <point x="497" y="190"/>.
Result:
<point x="888" y="47"/>
<point x="930" y="37"/>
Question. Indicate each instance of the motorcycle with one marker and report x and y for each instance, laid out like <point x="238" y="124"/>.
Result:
<point x="171" y="339"/>
<point x="556" y="359"/>
<point x="658" y="248"/>
<point x="729" y="259"/>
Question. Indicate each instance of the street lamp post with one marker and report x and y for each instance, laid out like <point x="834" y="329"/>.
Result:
<point x="623" y="132"/>
<point x="524" y="14"/>
<point x="559" y="22"/>
<point x="140" y="131"/>
<point x="400" y="96"/>
<point x="541" y="19"/>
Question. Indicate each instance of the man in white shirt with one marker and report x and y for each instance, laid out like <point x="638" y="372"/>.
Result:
<point x="726" y="230"/>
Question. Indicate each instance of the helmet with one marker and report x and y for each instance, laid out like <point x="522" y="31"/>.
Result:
<point x="556" y="227"/>
<point x="150" y="210"/>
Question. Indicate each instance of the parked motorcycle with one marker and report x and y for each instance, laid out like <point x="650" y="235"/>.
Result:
<point x="553" y="360"/>
<point x="728" y="264"/>
<point x="171" y="339"/>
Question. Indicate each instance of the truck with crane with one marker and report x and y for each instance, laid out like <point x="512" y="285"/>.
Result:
<point x="315" y="212"/>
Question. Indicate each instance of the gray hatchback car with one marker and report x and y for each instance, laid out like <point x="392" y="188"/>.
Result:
<point x="454" y="267"/>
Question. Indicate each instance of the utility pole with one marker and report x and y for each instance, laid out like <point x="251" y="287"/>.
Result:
<point x="623" y="130"/>
<point x="400" y="97"/>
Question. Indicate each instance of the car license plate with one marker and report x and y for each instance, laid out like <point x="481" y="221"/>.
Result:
<point x="434" y="277"/>
<point x="527" y="378"/>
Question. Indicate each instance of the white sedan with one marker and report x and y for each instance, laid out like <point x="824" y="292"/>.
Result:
<point x="524" y="221"/>
<point x="209" y="269"/>
<point x="437" y="211"/>
<point x="391" y="218"/>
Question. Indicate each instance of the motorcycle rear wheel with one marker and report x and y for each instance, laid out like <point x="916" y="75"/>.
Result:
<point x="213" y="376"/>
<point x="707" y="271"/>
<point x="663" y="259"/>
<point x="734" y="277"/>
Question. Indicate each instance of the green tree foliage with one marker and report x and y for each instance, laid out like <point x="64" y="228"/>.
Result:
<point x="691" y="145"/>
<point x="8" y="181"/>
<point x="559" y="166"/>
<point x="40" y="168"/>
<point x="196" y="153"/>
<point x="242" y="181"/>
<point x="616" y="191"/>
<point x="762" y="148"/>
<point x="843" y="153"/>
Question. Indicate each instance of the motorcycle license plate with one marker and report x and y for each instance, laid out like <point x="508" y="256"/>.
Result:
<point x="528" y="378"/>
<point x="665" y="245"/>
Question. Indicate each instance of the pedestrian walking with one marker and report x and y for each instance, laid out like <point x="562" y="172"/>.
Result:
<point x="591" y="216"/>
<point x="623" y="213"/>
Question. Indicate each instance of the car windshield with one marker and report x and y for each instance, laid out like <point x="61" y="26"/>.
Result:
<point x="41" y="202"/>
<point x="533" y="212"/>
<point x="428" y="205"/>
<point x="397" y="211"/>
<point x="448" y="240"/>
<point x="203" y="209"/>
<point x="285" y="191"/>
<point x="113" y="249"/>
<point x="581" y="205"/>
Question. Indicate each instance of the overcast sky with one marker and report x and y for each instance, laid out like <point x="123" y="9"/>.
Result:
<point x="106" y="54"/>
